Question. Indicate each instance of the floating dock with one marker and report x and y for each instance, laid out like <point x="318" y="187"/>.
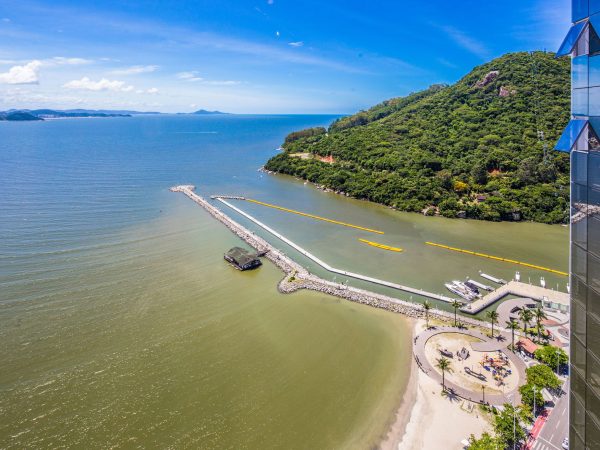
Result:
<point x="491" y="278"/>
<point x="381" y="246"/>
<point x="497" y="258"/>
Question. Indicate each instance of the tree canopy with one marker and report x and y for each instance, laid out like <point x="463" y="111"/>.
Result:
<point x="470" y="150"/>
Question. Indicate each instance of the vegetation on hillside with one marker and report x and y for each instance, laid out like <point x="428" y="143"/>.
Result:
<point x="468" y="150"/>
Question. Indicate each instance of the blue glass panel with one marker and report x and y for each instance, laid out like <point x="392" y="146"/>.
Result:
<point x="594" y="70"/>
<point x="579" y="9"/>
<point x="579" y="167"/>
<point x="579" y="102"/>
<point x="579" y="71"/>
<point x="594" y="6"/>
<point x="570" y="135"/>
<point x="571" y="39"/>
<point x="594" y="101"/>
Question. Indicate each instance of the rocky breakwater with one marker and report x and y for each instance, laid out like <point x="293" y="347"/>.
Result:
<point x="297" y="277"/>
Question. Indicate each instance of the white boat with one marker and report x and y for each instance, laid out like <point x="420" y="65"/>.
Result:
<point x="485" y="287"/>
<point x="460" y="292"/>
<point x="542" y="282"/>
<point x="518" y="276"/>
<point x="466" y="289"/>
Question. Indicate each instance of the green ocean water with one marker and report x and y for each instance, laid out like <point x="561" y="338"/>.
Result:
<point x="121" y="325"/>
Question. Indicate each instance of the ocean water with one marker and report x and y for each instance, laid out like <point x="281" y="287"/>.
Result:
<point x="121" y="325"/>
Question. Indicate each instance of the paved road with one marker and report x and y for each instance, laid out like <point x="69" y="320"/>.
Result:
<point x="557" y="425"/>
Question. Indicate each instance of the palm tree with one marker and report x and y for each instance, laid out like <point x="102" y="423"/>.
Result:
<point x="539" y="315"/>
<point x="426" y="307"/>
<point x="512" y="325"/>
<point x="525" y="315"/>
<point x="444" y="365"/>
<point x="455" y="304"/>
<point x="493" y="316"/>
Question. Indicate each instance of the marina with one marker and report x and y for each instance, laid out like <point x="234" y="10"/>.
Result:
<point x="303" y="279"/>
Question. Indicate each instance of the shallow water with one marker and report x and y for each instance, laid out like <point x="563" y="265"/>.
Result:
<point x="122" y="326"/>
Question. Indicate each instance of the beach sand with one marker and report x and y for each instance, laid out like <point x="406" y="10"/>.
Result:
<point x="428" y="420"/>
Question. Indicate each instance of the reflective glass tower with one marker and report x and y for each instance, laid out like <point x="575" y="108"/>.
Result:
<point x="581" y="140"/>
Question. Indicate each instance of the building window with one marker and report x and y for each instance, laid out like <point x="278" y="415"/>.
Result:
<point x="593" y="361"/>
<point x="579" y="101"/>
<point x="593" y="303"/>
<point x="577" y="416"/>
<point x="592" y="433"/>
<point x="579" y="72"/>
<point x="579" y="215"/>
<point x="578" y="355"/>
<point x="593" y="268"/>
<point x="578" y="319"/>
<point x="579" y="10"/>
<point x="579" y="262"/>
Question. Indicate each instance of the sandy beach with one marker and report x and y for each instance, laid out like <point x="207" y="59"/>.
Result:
<point x="427" y="420"/>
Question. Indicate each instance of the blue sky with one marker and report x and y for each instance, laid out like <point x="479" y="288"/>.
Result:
<point x="263" y="56"/>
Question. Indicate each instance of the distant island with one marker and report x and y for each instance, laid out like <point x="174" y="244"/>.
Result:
<point x="41" y="114"/>
<point x="20" y="115"/>
<point x="481" y="148"/>
<point x="205" y="112"/>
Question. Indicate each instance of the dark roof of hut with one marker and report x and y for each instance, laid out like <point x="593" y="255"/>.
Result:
<point x="241" y="256"/>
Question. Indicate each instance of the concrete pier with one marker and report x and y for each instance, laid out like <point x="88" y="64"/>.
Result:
<point x="297" y="277"/>
<point x="331" y="269"/>
<point x="520" y="290"/>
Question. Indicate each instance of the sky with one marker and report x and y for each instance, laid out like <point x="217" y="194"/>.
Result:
<point x="262" y="56"/>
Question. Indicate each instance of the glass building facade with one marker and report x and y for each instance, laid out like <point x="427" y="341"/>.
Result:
<point x="581" y="140"/>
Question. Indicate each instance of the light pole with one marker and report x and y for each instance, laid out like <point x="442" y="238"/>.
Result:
<point x="534" y="415"/>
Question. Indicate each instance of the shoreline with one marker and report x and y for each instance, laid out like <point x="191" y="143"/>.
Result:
<point x="422" y="406"/>
<point x="408" y="403"/>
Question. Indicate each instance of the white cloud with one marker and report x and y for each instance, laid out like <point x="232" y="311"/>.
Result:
<point x="152" y="91"/>
<point x="189" y="76"/>
<point x="25" y="74"/>
<point x="466" y="42"/>
<point x="221" y="82"/>
<point x="296" y="44"/>
<point x="102" y="85"/>
<point x="62" y="61"/>
<point x="134" y="70"/>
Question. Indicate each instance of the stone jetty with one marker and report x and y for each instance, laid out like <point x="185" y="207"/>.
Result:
<point x="297" y="277"/>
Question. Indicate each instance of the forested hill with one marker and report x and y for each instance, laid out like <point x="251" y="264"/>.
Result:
<point x="466" y="150"/>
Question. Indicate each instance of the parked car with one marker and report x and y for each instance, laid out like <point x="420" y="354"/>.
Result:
<point x="565" y="443"/>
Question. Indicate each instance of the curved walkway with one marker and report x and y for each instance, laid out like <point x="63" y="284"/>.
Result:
<point x="501" y="342"/>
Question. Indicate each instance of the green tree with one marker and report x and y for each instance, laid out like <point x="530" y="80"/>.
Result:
<point x="525" y="315"/>
<point x="455" y="304"/>
<point x="485" y="442"/>
<point x="439" y="146"/>
<point x="528" y="392"/>
<point x="426" y="308"/>
<point x="552" y="356"/>
<point x="542" y="376"/>
<point x="493" y="316"/>
<point x="508" y="425"/>
<point x="512" y="325"/>
<point x="444" y="365"/>
<point x="539" y="315"/>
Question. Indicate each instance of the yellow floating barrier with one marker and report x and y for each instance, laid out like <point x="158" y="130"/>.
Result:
<point x="497" y="258"/>
<point x="382" y="246"/>
<point x="312" y="216"/>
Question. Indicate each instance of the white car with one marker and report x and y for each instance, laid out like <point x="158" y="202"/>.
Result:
<point x="565" y="443"/>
